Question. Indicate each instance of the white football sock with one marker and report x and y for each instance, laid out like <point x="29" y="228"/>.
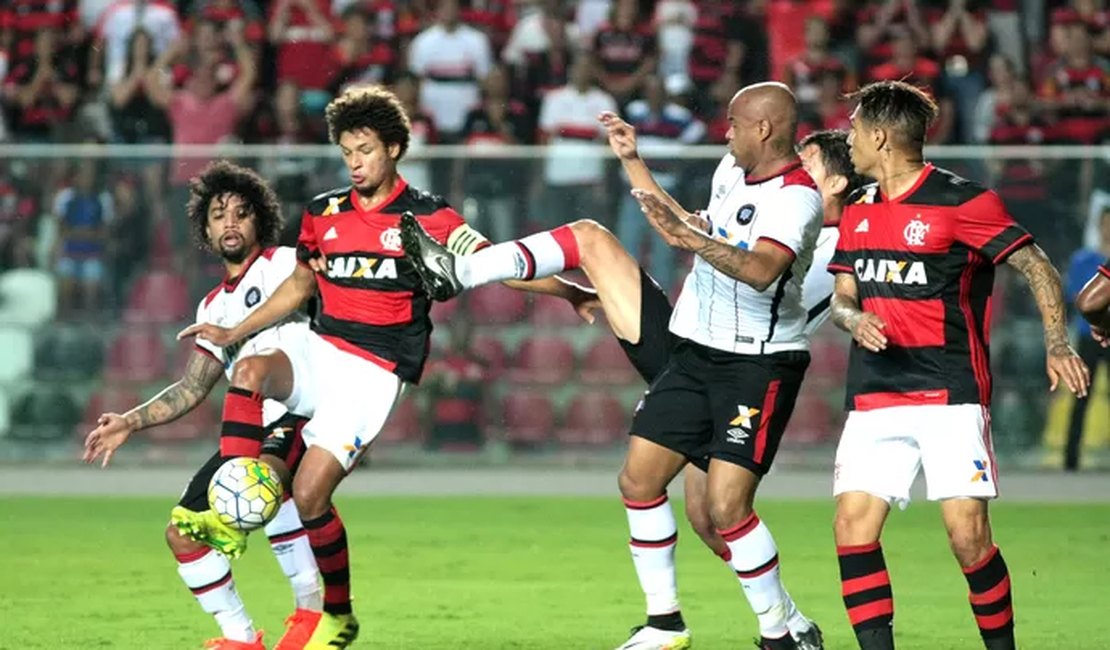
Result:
<point x="289" y="542"/>
<point x="755" y="558"/>
<point x="535" y="256"/>
<point x="207" y="574"/>
<point x="654" y="536"/>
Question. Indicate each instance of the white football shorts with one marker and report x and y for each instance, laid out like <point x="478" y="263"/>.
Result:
<point x="347" y="397"/>
<point x="881" y="451"/>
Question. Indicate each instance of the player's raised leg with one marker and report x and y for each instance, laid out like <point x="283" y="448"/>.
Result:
<point x="207" y="572"/>
<point x="268" y="374"/>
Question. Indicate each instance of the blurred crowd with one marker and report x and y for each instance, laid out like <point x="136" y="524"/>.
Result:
<point x="261" y="70"/>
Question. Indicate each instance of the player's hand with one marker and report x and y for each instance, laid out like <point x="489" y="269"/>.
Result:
<point x="1064" y="363"/>
<point x="112" y="431"/>
<point x="1101" y="336"/>
<point x="621" y="134"/>
<point x="867" y="330"/>
<point x="674" y="230"/>
<point x="214" y="334"/>
<point x="318" y="263"/>
<point x="585" y="301"/>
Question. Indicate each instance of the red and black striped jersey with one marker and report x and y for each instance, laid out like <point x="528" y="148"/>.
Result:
<point x="924" y="263"/>
<point x="372" y="303"/>
<point x="1104" y="269"/>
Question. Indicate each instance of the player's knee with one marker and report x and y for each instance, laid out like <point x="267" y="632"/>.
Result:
<point x="970" y="541"/>
<point x="638" y="488"/>
<point x="280" y="469"/>
<point x="312" y="503"/>
<point x="728" y="509"/>
<point x="854" y="527"/>
<point x="180" y="544"/>
<point x="594" y="239"/>
<point x="697" y="513"/>
<point x="249" y="373"/>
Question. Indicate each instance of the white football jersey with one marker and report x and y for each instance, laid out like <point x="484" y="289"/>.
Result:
<point x="232" y="300"/>
<point x="725" y="314"/>
<point x="817" y="289"/>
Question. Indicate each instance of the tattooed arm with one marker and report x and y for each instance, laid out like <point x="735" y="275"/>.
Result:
<point x="1048" y="291"/>
<point x="757" y="268"/>
<point x="201" y="374"/>
<point x="866" y="328"/>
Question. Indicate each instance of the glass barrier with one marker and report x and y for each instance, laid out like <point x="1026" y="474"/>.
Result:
<point x="98" y="272"/>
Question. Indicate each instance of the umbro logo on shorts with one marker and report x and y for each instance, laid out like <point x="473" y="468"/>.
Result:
<point x="737" y="435"/>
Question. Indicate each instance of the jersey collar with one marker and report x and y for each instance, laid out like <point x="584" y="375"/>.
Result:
<point x="913" y="188"/>
<point x="230" y="283"/>
<point x="401" y="185"/>
<point x="786" y="169"/>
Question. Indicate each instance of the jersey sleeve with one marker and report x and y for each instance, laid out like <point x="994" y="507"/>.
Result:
<point x="1104" y="268"/>
<point x="307" y="246"/>
<point x="282" y="264"/>
<point x="986" y="227"/>
<point x="841" y="261"/>
<point x="790" y="218"/>
<point x="203" y="346"/>
<point x="449" y="227"/>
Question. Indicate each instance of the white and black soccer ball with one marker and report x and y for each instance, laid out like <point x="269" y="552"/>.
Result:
<point x="245" y="493"/>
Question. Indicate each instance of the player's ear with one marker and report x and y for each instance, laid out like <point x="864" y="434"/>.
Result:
<point x="395" y="151"/>
<point x="879" y="137"/>
<point x="836" y="184"/>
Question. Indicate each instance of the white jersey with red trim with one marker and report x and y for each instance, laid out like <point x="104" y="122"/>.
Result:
<point x="233" y="299"/>
<point x="720" y="312"/>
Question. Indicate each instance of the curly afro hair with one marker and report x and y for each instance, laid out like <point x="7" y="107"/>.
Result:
<point x="223" y="177"/>
<point x="369" y="107"/>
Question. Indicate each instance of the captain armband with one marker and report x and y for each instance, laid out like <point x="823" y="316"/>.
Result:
<point x="465" y="240"/>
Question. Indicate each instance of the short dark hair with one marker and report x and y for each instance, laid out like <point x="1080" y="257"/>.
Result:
<point x="223" y="177"/>
<point x="837" y="158"/>
<point x="369" y="107"/>
<point x="903" y="108"/>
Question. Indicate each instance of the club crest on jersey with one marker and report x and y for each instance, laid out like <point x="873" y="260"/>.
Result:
<point x="253" y="297"/>
<point x="391" y="239"/>
<point x="359" y="267"/>
<point x="891" y="271"/>
<point x="915" y="232"/>
<point x="745" y="214"/>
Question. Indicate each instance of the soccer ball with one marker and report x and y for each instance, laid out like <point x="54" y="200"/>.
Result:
<point x="245" y="493"/>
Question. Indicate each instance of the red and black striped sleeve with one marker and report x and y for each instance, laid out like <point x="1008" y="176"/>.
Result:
<point x="986" y="227"/>
<point x="307" y="246"/>
<point x="841" y="261"/>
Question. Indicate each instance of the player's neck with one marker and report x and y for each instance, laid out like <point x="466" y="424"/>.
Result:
<point x="897" y="176"/>
<point x="380" y="194"/>
<point x="234" y="269"/>
<point x="771" y="166"/>
<point x="831" y="209"/>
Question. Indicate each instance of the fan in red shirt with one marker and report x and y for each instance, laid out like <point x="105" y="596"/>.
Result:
<point x="372" y="332"/>
<point x="914" y="274"/>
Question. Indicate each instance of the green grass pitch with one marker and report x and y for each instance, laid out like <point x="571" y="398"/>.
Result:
<point x="531" y="574"/>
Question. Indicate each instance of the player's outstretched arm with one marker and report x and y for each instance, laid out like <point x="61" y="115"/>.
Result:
<point x="1044" y="281"/>
<point x="201" y="373"/>
<point x="622" y="140"/>
<point x="1093" y="302"/>
<point x="287" y="298"/>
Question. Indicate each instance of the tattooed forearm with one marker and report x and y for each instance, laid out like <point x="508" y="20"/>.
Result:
<point x="734" y="262"/>
<point x="697" y="222"/>
<point x="1044" y="282"/>
<point x="844" y="309"/>
<point x="201" y="374"/>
